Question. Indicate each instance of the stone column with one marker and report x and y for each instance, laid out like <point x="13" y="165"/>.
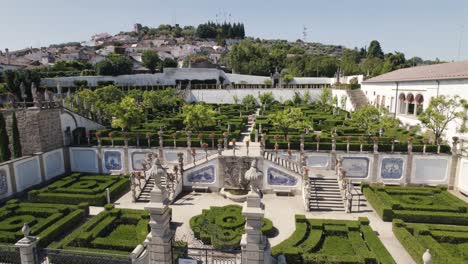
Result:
<point x="409" y="162"/>
<point x="161" y="142"/>
<point x="189" y="145"/>
<point x="27" y="247"/>
<point x="226" y="142"/>
<point x="159" y="240"/>
<point x="255" y="246"/>
<point x="454" y="166"/>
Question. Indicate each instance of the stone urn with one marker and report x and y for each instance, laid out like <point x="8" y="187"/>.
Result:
<point x="427" y="258"/>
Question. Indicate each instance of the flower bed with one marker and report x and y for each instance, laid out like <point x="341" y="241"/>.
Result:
<point x="447" y="244"/>
<point x="333" y="241"/>
<point x="223" y="227"/>
<point x="115" y="231"/>
<point x="47" y="221"/>
<point x="78" y="188"/>
<point x="417" y="204"/>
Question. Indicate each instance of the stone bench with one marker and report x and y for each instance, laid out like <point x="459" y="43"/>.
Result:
<point x="200" y="189"/>
<point x="288" y="192"/>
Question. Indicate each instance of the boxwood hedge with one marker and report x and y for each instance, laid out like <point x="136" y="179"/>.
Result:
<point x="417" y="204"/>
<point x="223" y="227"/>
<point x="78" y="188"/>
<point x="333" y="241"/>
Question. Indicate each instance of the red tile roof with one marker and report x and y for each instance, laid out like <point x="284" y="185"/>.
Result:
<point x="443" y="71"/>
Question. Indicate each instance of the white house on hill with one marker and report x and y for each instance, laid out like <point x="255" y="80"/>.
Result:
<point x="407" y="92"/>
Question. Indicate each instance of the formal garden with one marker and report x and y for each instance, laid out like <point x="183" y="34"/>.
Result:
<point x="447" y="243"/>
<point x="333" y="241"/>
<point x="81" y="188"/>
<point x="417" y="204"/>
<point x="47" y="221"/>
<point x="222" y="227"/>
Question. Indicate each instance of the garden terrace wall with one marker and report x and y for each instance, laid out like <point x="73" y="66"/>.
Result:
<point x="20" y="175"/>
<point x="462" y="183"/>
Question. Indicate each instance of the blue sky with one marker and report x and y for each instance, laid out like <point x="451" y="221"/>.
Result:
<point x="425" y="28"/>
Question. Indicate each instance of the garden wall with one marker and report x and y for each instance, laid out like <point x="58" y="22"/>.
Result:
<point x="24" y="173"/>
<point x="225" y="96"/>
<point x="463" y="176"/>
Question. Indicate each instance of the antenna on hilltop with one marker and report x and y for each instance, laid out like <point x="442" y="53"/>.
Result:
<point x="304" y="33"/>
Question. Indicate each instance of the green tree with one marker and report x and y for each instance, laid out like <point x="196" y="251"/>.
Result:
<point x="115" y="64"/>
<point x="441" y="111"/>
<point x="266" y="99"/>
<point x="287" y="78"/>
<point x="371" y="119"/>
<point x="289" y="118"/>
<point x="162" y="100"/>
<point x="151" y="60"/>
<point x="350" y="62"/>
<point x="325" y="97"/>
<point x="249" y="102"/>
<point x="5" y="153"/>
<point x="198" y="116"/>
<point x="128" y="114"/>
<point x="374" y="50"/>
<point x="17" y="152"/>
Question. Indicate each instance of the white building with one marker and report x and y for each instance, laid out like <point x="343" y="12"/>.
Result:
<point x="407" y="92"/>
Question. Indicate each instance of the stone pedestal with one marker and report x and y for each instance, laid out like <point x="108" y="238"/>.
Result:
<point x="159" y="241"/>
<point x="27" y="247"/>
<point x="255" y="246"/>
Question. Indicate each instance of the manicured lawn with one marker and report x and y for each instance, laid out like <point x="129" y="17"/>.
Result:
<point x="47" y="221"/>
<point x="417" y="204"/>
<point x="223" y="227"/>
<point x="447" y="243"/>
<point x="78" y="188"/>
<point x="333" y="241"/>
<point x="115" y="231"/>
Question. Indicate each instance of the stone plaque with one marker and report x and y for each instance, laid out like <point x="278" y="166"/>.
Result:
<point x="356" y="167"/>
<point x="391" y="168"/>
<point x="3" y="182"/>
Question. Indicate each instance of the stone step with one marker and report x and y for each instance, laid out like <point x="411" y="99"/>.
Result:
<point x="324" y="202"/>
<point x="327" y="205"/>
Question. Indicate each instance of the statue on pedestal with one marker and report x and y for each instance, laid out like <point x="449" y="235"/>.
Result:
<point x="253" y="176"/>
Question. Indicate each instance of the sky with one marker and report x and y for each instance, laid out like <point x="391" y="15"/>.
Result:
<point x="426" y="28"/>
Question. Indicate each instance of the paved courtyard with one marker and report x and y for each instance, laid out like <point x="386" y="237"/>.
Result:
<point x="280" y="209"/>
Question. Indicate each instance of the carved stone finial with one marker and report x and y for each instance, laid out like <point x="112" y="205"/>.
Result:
<point x="25" y="230"/>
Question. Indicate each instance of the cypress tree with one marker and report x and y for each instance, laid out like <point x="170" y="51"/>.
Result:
<point x="17" y="153"/>
<point x="4" y="142"/>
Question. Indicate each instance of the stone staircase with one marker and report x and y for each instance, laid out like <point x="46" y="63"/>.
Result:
<point x="359" y="200"/>
<point x="145" y="194"/>
<point x="357" y="97"/>
<point x="325" y="194"/>
<point x="290" y="165"/>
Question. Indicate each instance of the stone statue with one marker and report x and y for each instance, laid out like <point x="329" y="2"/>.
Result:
<point x="34" y="92"/>
<point x="427" y="258"/>
<point x="253" y="176"/>
<point x="157" y="172"/>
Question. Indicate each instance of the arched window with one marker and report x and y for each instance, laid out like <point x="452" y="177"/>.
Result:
<point x="402" y="100"/>
<point x="382" y="103"/>
<point x="419" y="104"/>
<point x="411" y="104"/>
<point x="377" y="101"/>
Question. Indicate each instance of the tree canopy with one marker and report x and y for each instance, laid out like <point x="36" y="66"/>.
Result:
<point x="198" y="116"/>
<point x="115" y="64"/>
<point x="151" y="60"/>
<point x="128" y="114"/>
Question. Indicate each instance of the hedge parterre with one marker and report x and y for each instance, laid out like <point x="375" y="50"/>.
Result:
<point x="115" y="231"/>
<point x="333" y="241"/>
<point x="47" y="221"/>
<point x="223" y="227"/>
<point x="417" y="204"/>
<point x="447" y="243"/>
<point x="78" y="188"/>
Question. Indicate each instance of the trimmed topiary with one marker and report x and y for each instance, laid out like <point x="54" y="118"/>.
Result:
<point x="5" y="153"/>
<point x="17" y="152"/>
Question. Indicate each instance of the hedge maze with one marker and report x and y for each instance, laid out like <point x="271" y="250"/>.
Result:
<point x="78" y="188"/>
<point x="417" y="204"/>
<point x="223" y="227"/>
<point x="115" y="231"/>
<point x="47" y="221"/>
<point x="333" y="241"/>
<point x="447" y="244"/>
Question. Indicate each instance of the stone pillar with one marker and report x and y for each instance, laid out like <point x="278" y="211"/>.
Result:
<point x="255" y="246"/>
<point x="302" y="143"/>
<point x="409" y="162"/>
<point x="159" y="240"/>
<point x="161" y="142"/>
<point x="27" y="247"/>
<point x="226" y="142"/>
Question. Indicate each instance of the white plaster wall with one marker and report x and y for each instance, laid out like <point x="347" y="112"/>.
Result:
<point x="340" y="93"/>
<point x="53" y="163"/>
<point x="314" y="160"/>
<point x="428" y="89"/>
<point x="225" y="96"/>
<point x="268" y="164"/>
<point x="27" y="172"/>
<point x="84" y="160"/>
<point x="431" y="170"/>
<point x="68" y="121"/>
<point x="122" y="163"/>
<point x="463" y="176"/>
<point x="9" y="191"/>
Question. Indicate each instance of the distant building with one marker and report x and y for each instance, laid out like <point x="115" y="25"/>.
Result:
<point x="406" y="93"/>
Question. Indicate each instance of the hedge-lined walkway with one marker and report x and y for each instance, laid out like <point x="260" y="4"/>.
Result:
<point x="280" y="210"/>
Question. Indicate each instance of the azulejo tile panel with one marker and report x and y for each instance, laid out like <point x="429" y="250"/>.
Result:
<point x="356" y="167"/>
<point x="3" y="182"/>
<point x="277" y="177"/>
<point x="113" y="160"/>
<point x="392" y="168"/>
<point x="203" y="175"/>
